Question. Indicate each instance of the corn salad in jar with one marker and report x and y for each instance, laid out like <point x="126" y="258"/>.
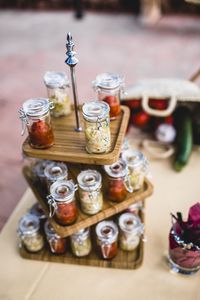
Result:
<point x="57" y="85"/>
<point x="90" y="194"/>
<point x="81" y="243"/>
<point x="131" y="230"/>
<point x="29" y="233"/>
<point x="137" y="165"/>
<point x="97" y="127"/>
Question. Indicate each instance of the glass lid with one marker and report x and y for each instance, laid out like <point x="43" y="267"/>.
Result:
<point x="29" y="224"/>
<point x="117" y="170"/>
<point x="107" y="231"/>
<point x="108" y="81"/>
<point x="129" y="222"/>
<point x="63" y="190"/>
<point x="36" y="106"/>
<point x="55" y="79"/>
<point x="89" y="180"/>
<point x="95" y="110"/>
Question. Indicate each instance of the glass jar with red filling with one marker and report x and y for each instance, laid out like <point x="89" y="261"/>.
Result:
<point x="107" y="234"/>
<point x="62" y="202"/>
<point x="118" y="183"/>
<point x="109" y="87"/>
<point x="55" y="171"/>
<point x="57" y="244"/>
<point x="35" y="115"/>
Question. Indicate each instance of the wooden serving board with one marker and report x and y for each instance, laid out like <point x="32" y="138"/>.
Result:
<point x="70" y="145"/>
<point x="83" y="220"/>
<point x="123" y="260"/>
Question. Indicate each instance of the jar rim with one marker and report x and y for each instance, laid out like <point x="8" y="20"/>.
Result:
<point x="130" y="223"/>
<point x="107" y="231"/>
<point x="63" y="190"/>
<point x="36" y="107"/>
<point x="117" y="170"/>
<point x="56" y="170"/>
<point x="95" y="110"/>
<point x="108" y="81"/>
<point x="29" y="224"/>
<point x="133" y="158"/>
<point x="54" y="79"/>
<point x="89" y="180"/>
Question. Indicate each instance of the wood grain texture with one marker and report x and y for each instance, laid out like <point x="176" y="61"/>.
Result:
<point x="83" y="221"/>
<point x="70" y="145"/>
<point x="123" y="260"/>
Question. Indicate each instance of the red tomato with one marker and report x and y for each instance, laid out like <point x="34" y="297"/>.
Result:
<point x="133" y="103"/>
<point x="158" y="104"/>
<point x="140" y="119"/>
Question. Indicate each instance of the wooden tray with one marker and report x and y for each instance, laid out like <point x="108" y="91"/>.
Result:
<point x="83" y="221"/>
<point x="123" y="260"/>
<point x="70" y="145"/>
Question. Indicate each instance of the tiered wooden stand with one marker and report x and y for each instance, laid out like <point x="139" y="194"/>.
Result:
<point x="70" y="147"/>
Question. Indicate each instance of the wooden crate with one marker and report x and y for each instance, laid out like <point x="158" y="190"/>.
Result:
<point x="70" y="145"/>
<point x="83" y="221"/>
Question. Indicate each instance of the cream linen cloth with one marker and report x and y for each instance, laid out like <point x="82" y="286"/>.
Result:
<point x="22" y="279"/>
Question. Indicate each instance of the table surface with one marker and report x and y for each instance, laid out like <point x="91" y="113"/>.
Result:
<point x="24" y="279"/>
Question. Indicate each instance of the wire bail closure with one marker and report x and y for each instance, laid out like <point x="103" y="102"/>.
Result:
<point x="24" y="119"/>
<point x="52" y="205"/>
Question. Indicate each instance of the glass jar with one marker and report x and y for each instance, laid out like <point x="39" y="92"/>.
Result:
<point x="62" y="202"/>
<point x="90" y="194"/>
<point x="184" y="258"/>
<point x="137" y="165"/>
<point x="57" y="85"/>
<point x="135" y="208"/>
<point x="131" y="230"/>
<point x="107" y="234"/>
<point x="81" y="243"/>
<point x="29" y="234"/>
<point x="35" y="114"/>
<point x="55" y="171"/>
<point x="109" y="86"/>
<point x="57" y="244"/>
<point x="97" y="127"/>
<point x="118" y="181"/>
<point x="38" y="170"/>
<point x="38" y="211"/>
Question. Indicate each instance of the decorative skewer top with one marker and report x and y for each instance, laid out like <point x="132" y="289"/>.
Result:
<point x="71" y="59"/>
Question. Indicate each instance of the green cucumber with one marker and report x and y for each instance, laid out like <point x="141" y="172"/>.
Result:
<point x="184" y="138"/>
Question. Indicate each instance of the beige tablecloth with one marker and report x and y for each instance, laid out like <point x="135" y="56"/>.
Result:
<point x="23" y="279"/>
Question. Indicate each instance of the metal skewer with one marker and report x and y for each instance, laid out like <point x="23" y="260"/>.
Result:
<point x="71" y="61"/>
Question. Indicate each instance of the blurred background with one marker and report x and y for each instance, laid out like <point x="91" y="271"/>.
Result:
<point x="139" y="39"/>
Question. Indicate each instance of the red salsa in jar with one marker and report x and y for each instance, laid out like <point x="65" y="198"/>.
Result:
<point x="57" y="244"/>
<point x="118" y="184"/>
<point x="62" y="202"/>
<point x="41" y="134"/>
<point x="35" y="115"/>
<point x="109" y="87"/>
<point x="114" y="103"/>
<point x="107" y="234"/>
